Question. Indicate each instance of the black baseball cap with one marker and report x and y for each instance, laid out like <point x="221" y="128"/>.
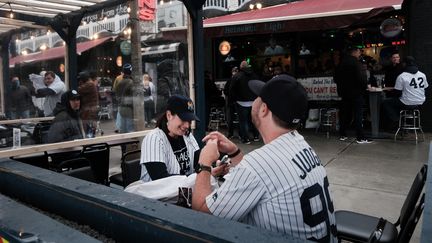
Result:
<point x="127" y="69"/>
<point x="183" y="107"/>
<point x="285" y="97"/>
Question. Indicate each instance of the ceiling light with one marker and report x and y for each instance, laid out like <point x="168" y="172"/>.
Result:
<point x="25" y="52"/>
<point x="11" y="14"/>
<point x="251" y="6"/>
<point x="43" y="47"/>
<point x="258" y="5"/>
<point x="128" y="9"/>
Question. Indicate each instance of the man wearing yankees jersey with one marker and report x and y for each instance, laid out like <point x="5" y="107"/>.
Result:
<point x="281" y="186"/>
<point x="410" y="85"/>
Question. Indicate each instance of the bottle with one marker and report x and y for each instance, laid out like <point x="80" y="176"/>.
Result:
<point x="99" y="131"/>
<point x="90" y="133"/>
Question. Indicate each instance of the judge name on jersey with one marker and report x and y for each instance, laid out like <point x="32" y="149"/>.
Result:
<point x="306" y="160"/>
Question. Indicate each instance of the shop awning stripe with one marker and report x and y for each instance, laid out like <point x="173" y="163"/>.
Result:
<point x="302" y="10"/>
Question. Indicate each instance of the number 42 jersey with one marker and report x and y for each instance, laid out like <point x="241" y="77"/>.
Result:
<point x="413" y="87"/>
<point x="281" y="187"/>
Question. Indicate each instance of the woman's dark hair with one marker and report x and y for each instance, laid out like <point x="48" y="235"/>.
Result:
<point x="162" y="121"/>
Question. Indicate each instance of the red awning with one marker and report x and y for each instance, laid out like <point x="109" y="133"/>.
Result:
<point x="305" y="9"/>
<point x="56" y="52"/>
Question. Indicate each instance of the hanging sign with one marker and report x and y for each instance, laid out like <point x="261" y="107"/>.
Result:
<point x="147" y="10"/>
<point x="391" y="27"/>
<point x="126" y="47"/>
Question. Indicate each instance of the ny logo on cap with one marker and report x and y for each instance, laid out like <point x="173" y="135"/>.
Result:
<point x="190" y="106"/>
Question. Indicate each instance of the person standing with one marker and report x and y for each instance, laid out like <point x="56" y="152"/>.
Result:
<point x="20" y="101"/>
<point x="89" y="102"/>
<point x="244" y="98"/>
<point x="351" y="87"/>
<point x="149" y="105"/>
<point x="52" y="92"/>
<point x="410" y="85"/>
<point x="281" y="186"/>
<point x="124" y="94"/>
<point x="230" y="104"/>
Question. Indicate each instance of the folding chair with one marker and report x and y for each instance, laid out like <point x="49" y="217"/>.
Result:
<point x="358" y="227"/>
<point x="131" y="169"/>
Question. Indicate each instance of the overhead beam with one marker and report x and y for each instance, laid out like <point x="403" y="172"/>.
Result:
<point x="26" y="17"/>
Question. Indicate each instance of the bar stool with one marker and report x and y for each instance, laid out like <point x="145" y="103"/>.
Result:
<point x="327" y="119"/>
<point x="216" y="118"/>
<point x="409" y="120"/>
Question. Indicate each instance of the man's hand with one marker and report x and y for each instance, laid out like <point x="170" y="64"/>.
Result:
<point x="209" y="152"/>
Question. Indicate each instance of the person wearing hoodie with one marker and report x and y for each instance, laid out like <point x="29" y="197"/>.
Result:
<point x="52" y="92"/>
<point x="351" y="87"/>
<point x="20" y="101"/>
<point x="67" y="124"/>
<point x="410" y="85"/>
<point x="243" y="97"/>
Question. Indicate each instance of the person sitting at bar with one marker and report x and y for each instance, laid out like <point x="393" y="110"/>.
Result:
<point x="410" y="85"/>
<point x="67" y="124"/>
<point x="170" y="149"/>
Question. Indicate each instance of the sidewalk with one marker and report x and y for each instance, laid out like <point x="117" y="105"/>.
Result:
<point x="371" y="178"/>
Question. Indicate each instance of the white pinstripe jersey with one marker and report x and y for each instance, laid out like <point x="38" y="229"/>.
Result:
<point x="157" y="148"/>
<point x="281" y="187"/>
<point x="413" y="87"/>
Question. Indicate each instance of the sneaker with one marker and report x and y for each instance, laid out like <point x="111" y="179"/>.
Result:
<point x="363" y="141"/>
<point x="246" y="141"/>
<point x="256" y="139"/>
<point x="343" y="138"/>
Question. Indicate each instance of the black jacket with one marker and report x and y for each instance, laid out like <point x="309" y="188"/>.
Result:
<point x="66" y="125"/>
<point x="239" y="89"/>
<point x="390" y="77"/>
<point x="349" y="78"/>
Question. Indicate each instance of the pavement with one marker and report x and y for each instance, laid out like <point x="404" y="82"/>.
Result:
<point x="373" y="178"/>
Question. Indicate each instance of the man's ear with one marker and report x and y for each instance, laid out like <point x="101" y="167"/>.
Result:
<point x="264" y="110"/>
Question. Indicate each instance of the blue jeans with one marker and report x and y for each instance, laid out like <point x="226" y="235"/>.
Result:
<point x="245" y="122"/>
<point x="124" y="124"/>
<point x="19" y="114"/>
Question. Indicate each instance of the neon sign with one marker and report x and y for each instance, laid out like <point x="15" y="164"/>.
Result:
<point x="147" y="10"/>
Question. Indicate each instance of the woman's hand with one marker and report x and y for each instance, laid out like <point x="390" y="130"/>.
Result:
<point x="223" y="143"/>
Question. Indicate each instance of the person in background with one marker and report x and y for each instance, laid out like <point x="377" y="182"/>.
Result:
<point x="244" y="98"/>
<point x="89" y="102"/>
<point x="170" y="149"/>
<point x="410" y="85"/>
<point x="391" y="73"/>
<point x="124" y="94"/>
<point x="351" y="87"/>
<point x="230" y="104"/>
<point x="149" y="105"/>
<point x="281" y="186"/>
<point x="52" y="93"/>
<point x="19" y="102"/>
<point x="212" y="95"/>
<point x="67" y="124"/>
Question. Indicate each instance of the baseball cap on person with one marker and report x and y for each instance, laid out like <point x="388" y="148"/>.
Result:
<point x="285" y="97"/>
<point x="183" y="107"/>
<point x="127" y="69"/>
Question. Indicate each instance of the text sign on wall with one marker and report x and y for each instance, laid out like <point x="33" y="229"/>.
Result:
<point x="147" y="10"/>
<point x="320" y="88"/>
